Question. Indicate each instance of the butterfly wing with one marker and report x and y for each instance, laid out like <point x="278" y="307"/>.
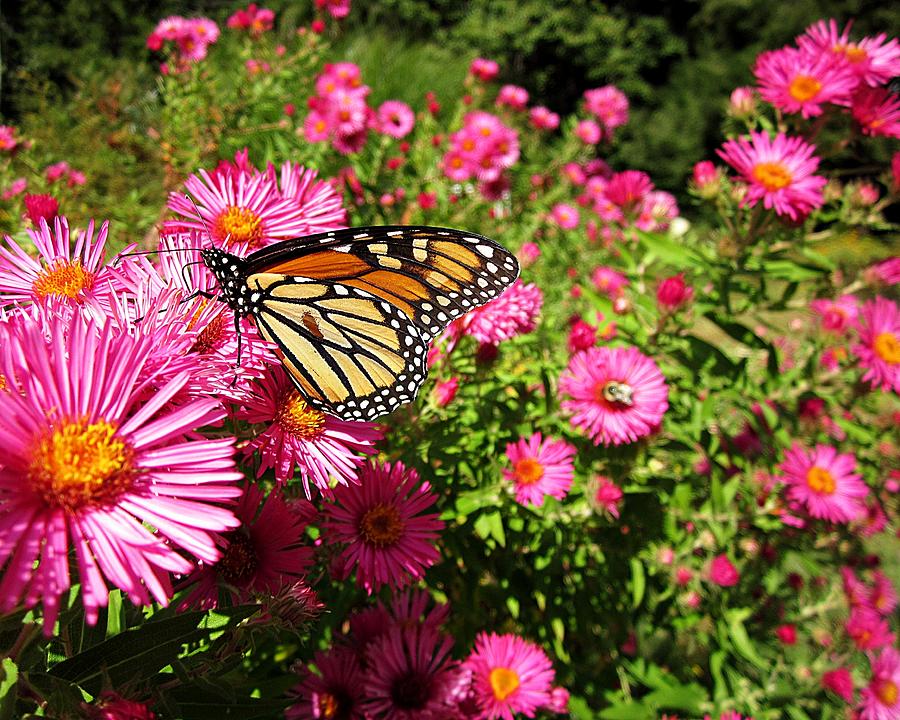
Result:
<point x="434" y="275"/>
<point x="349" y="352"/>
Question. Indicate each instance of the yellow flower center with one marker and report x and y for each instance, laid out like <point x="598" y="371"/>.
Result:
<point x="887" y="347"/>
<point x="298" y="419"/>
<point x="772" y="175"/>
<point x="79" y="464"/>
<point x="504" y="682"/>
<point x="211" y="336"/>
<point x="328" y="705"/>
<point x="886" y="690"/>
<point x="2" y="382"/>
<point x="856" y="54"/>
<point x="381" y="526"/>
<point x="820" y="480"/>
<point x="804" y="87"/>
<point x="239" y="560"/>
<point x="528" y="471"/>
<point x="238" y="225"/>
<point x="63" y="278"/>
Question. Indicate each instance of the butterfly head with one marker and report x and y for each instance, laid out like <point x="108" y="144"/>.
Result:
<point x="228" y="270"/>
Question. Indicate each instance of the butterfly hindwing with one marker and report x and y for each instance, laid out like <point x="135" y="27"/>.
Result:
<point x="351" y="353"/>
<point x="434" y="275"/>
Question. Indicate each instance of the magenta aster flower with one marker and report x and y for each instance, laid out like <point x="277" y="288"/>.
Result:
<point x="540" y="467"/>
<point x="321" y="446"/>
<point x="509" y="675"/>
<point x="334" y="692"/>
<point x="565" y="215"/>
<point x="395" y="118"/>
<point x="512" y="313"/>
<point x="779" y="172"/>
<point x="243" y="212"/>
<point x="60" y="274"/>
<point x="319" y="204"/>
<point x="868" y="629"/>
<point x="608" y="281"/>
<point x="838" y="315"/>
<point x="87" y="461"/>
<point x="389" y="540"/>
<point x="881" y="697"/>
<point x="542" y="118"/>
<point x="410" y="675"/>
<point x="799" y="82"/>
<point x="512" y="96"/>
<point x="874" y="60"/>
<point x="886" y="272"/>
<point x="266" y="553"/>
<point x="840" y="682"/>
<point x="824" y="482"/>
<point x="877" y="111"/>
<point x="589" y="132"/>
<point x="605" y="495"/>
<point x="483" y="69"/>
<point x="608" y="104"/>
<point x="883" y="597"/>
<point x="879" y="347"/>
<point x="618" y="395"/>
<point x="723" y="572"/>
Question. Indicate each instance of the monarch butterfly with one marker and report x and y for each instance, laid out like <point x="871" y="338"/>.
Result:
<point x="352" y="311"/>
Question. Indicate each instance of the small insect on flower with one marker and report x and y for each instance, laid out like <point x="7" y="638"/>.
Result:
<point x="352" y="311"/>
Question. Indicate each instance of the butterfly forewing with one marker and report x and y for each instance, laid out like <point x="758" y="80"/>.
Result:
<point x="349" y="352"/>
<point x="434" y="275"/>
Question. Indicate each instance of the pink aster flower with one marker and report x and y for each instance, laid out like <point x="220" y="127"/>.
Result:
<point x="8" y="140"/>
<point x="877" y="111"/>
<point x="512" y="96"/>
<point x="18" y="186"/>
<point x="588" y="131"/>
<point x="540" y="467"/>
<point x="87" y="462"/>
<point x="608" y="281"/>
<point x="874" y="60"/>
<point x="266" y="553"/>
<point x="722" y="572"/>
<point x="335" y="690"/>
<point x="320" y="445"/>
<point x="410" y="674"/>
<point x="881" y="697"/>
<point x="879" y="347"/>
<point x="509" y="675"/>
<point x="242" y="212"/>
<point x="867" y="629"/>
<point x="608" y="104"/>
<point x="319" y="205"/>
<point x="543" y="118"/>
<point x="618" y="395"/>
<point x="513" y="313"/>
<point x="779" y="172"/>
<point x="799" y="82"/>
<point x="389" y="541"/>
<point x="445" y="391"/>
<point x="483" y="69"/>
<point x="840" y="682"/>
<point x="109" y="705"/>
<point x="836" y="316"/>
<point x="824" y="482"/>
<point x="395" y="118"/>
<point x="71" y="276"/>
<point x="565" y="215"/>
<point x="606" y="495"/>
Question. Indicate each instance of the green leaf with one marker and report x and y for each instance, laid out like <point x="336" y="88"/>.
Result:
<point x="789" y="270"/>
<point x="739" y="637"/>
<point x="9" y="678"/>
<point x="688" y="698"/>
<point x="630" y="711"/>
<point x="672" y="253"/>
<point x="638" y="582"/>
<point x="579" y="709"/>
<point x="139" y="653"/>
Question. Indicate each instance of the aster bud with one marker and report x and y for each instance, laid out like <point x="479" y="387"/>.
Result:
<point x="673" y="293"/>
<point x="742" y="103"/>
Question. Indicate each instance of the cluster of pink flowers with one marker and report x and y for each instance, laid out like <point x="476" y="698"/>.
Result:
<point x="609" y="106"/>
<point x="190" y="38"/>
<point x="339" y="112"/>
<point x="828" y="68"/>
<point x="253" y="19"/>
<point x="482" y="149"/>
<point x="396" y="661"/>
<point x="337" y="9"/>
<point x="9" y="140"/>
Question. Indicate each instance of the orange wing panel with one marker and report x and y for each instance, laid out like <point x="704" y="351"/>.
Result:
<point x="322" y="265"/>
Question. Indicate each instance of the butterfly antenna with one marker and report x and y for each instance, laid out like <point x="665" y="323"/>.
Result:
<point x="200" y="216"/>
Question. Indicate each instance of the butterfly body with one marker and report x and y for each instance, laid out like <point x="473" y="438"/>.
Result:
<point x="352" y="311"/>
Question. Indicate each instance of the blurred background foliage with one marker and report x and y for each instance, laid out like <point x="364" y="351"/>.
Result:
<point x="675" y="60"/>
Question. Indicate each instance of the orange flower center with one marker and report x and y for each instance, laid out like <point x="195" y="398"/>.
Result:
<point x="614" y="394"/>
<point x="504" y="682"/>
<point x="328" y="705"/>
<point x="298" y="419"/>
<point x="80" y="464"/>
<point x="381" y="526"/>
<point x="887" y="347"/>
<point x="804" y="87"/>
<point x="238" y="225"/>
<point x="239" y="560"/>
<point x="772" y="175"/>
<point x="63" y="278"/>
<point x="820" y="480"/>
<point x="886" y="690"/>
<point x="212" y="335"/>
<point x="528" y="471"/>
<point x="855" y="54"/>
